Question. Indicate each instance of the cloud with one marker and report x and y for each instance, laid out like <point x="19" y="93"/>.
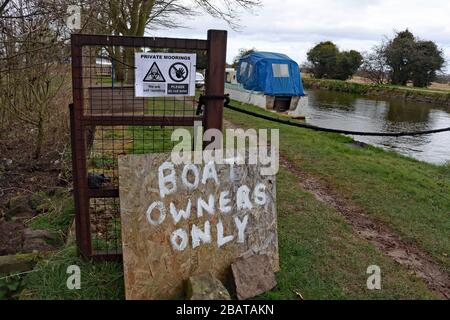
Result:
<point x="294" y="26"/>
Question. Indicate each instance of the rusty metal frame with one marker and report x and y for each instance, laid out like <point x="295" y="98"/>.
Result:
<point x="215" y="45"/>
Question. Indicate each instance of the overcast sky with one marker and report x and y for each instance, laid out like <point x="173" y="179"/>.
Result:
<point x="294" y="26"/>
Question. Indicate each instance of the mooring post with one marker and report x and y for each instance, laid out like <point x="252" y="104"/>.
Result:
<point x="215" y="79"/>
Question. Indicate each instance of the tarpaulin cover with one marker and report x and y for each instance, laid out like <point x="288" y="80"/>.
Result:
<point x="274" y="74"/>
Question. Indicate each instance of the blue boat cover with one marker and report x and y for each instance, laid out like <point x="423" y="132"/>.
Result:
<point x="274" y="74"/>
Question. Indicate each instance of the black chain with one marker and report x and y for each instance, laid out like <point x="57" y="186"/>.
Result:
<point x="203" y="98"/>
<point x="315" y="128"/>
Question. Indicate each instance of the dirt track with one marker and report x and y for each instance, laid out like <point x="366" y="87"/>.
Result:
<point x="390" y="243"/>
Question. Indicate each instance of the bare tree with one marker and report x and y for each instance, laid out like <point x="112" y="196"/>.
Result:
<point x="134" y="17"/>
<point x="33" y="41"/>
<point x="242" y="53"/>
<point x="375" y="67"/>
<point x="3" y="6"/>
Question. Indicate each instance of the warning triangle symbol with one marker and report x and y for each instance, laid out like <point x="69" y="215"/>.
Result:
<point x="154" y="74"/>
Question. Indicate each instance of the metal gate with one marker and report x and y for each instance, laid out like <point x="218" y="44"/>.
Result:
<point x="107" y="120"/>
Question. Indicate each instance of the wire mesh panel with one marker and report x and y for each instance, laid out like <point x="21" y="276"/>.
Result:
<point x="108" y="120"/>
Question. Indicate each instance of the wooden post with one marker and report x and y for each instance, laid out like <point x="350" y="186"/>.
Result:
<point x="79" y="171"/>
<point x="215" y="79"/>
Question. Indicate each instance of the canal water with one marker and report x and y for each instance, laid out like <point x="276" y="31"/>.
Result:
<point x="354" y="112"/>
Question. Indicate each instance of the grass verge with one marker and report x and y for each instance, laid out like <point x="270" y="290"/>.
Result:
<point x="99" y="281"/>
<point x="57" y="212"/>
<point x="440" y="97"/>
<point x="322" y="258"/>
<point x="410" y="196"/>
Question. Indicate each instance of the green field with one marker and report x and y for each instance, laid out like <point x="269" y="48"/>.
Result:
<point x="434" y="96"/>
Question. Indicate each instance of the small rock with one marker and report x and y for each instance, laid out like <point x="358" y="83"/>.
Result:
<point x="253" y="276"/>
<point x="19" y="213"/>
<point x="40" y="240"/>
<point x="16" y="263"/>
<point x="39" y="234"/>
<point x="206" y="287"/>
<point x="10" y="237"/>
<point x="18" y="208"/>
<point x="39" y="201"/>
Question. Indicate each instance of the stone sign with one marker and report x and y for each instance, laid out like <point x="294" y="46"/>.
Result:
<point x="180" y="221"/>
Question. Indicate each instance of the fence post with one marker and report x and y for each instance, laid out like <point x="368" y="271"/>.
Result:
<point x="215" y="79"/>
<point x="79" y="171"/>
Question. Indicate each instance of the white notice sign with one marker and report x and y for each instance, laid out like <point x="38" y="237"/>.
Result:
<point x="159" y="74"/>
